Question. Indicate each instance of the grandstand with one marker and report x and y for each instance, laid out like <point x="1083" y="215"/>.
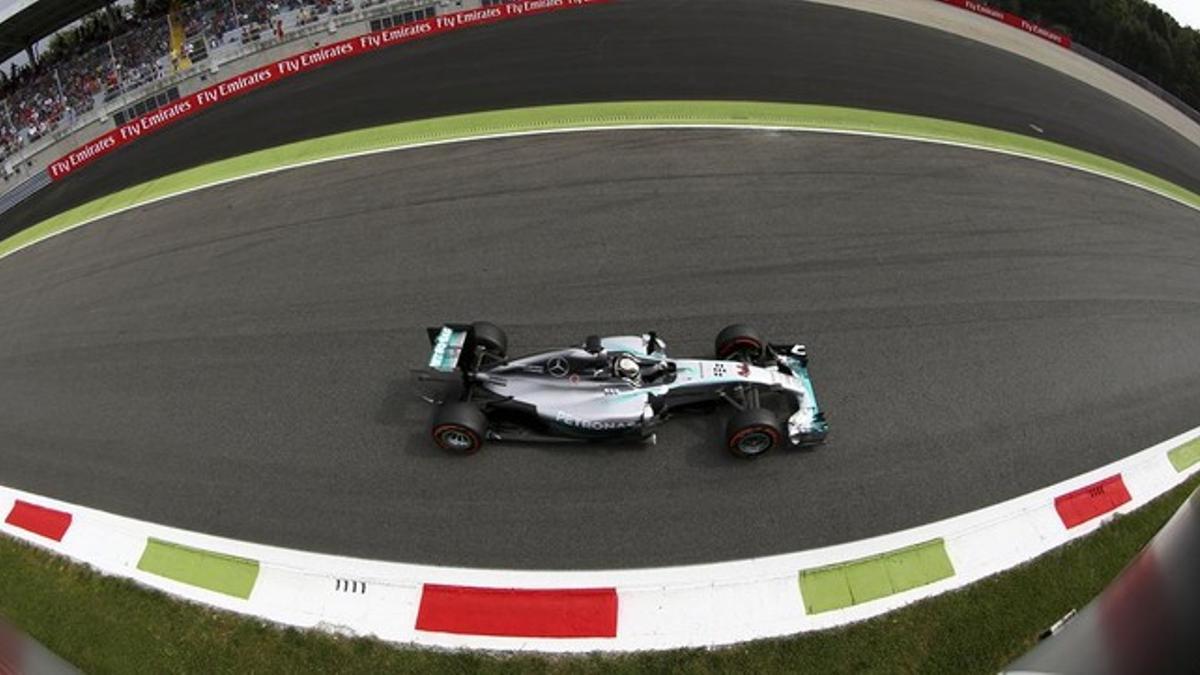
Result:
<point x="122" y="64"/>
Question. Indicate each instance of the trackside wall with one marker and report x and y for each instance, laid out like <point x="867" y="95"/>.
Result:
<point x="250" y="80"/>
<point x="1077" y="61"/>
<point x="97" y="135"/>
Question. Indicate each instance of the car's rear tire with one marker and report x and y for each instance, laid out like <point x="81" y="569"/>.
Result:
<point x="491" y="338"/>
<point x="752" y="432"/>
<point x="739" y="342"/>
<point x="459" y="427"/>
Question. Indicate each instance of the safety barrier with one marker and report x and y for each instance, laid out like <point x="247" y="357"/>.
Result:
<point x="1065" y="41"/>
<point x="36" y="181"/>
<point x="246" y="82"/>
<point x="1137" y="79"/>
<point x="1013" y="20"/>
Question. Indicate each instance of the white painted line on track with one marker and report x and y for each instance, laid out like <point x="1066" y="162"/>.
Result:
<point x="701" y="605"/>
<point x="659" y="608"/>
<point x="615" y="127"/>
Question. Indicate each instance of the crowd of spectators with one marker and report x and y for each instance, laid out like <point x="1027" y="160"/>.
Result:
<point x="121" y="48"/>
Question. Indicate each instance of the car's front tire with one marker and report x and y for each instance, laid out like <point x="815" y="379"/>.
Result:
<point x="739" y="342"/>
<point x="459" y="427"/>
<point x="752" y="432"/>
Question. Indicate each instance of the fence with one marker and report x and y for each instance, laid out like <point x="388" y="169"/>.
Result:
<point x="32" y="183"/>
<point x="226" y="37"/>
<point x="120" y="72"/>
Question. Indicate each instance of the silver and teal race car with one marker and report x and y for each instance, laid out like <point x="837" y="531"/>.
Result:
<point x="619" y="387"/>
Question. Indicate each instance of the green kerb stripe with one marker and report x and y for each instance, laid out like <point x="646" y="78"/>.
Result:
<point x="217" y="572"/>
<point x="1185" y="455"/>
<point x="859" y="581"/>
<point x="575" y="116"/>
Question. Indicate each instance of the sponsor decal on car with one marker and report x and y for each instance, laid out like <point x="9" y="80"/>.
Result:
<point x="558" y="367"/>
<point x="594" y="425"/>
<point x="446" y="349"/>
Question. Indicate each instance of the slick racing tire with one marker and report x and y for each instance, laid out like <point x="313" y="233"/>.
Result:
<point x="752" y="432"/>
<point x="491" y="338"/>
<point x="459" y="427"/>
<point x="739" y="342"/>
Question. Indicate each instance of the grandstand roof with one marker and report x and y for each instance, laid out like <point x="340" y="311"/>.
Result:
<point x="25" y="21"/>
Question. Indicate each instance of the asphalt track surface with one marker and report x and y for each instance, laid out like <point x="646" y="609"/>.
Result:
<point x="770" y="50"/>
<point x="236" y="361"/>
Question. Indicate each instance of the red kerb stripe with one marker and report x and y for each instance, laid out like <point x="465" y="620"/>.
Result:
<point x="39" y="520"/>
<point x="567" y="613"/>
<point x="1092" y="501"/>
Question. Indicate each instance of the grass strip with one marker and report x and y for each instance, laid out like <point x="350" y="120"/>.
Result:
<point x="878" y="576"/>
<point x="214" y="571"/>
<point x="1185" y="455"/>
<point x="108" y="625"/>
<point x="575" y="116"/>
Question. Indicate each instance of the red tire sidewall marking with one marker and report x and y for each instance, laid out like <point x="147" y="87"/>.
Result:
<point x="734" y="344"/>
<point x="770" y="431"/>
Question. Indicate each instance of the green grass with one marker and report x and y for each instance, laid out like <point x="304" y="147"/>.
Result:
<point x="109" y="625"/>
<point x="564" y="117"/>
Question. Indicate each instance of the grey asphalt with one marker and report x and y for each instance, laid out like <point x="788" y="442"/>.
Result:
<point x="774" y="50"/>
<point x="236" y="361"/>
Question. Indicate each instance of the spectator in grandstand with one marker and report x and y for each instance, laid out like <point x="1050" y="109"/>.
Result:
<point x="118" y="49"/>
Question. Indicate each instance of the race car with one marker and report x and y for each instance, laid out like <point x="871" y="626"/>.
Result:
<point x="621" y="387"/>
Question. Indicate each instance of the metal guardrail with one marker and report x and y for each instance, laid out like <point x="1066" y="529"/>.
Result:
<point x="32" y="184"/>
<point x="1140" y="80"/>
<point x="365" y="13"/>
<point x="11" y="196"/>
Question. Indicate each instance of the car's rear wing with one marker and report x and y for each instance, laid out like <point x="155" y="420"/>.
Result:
<point x="449" y="342"/>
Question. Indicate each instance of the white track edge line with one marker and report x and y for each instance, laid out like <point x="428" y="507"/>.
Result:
<point x="654" y="601"/>
<point x="702" y="605"/>
<point x="614" y="127"/>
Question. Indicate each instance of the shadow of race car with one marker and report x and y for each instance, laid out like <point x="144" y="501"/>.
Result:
<point x="620" y="387"/>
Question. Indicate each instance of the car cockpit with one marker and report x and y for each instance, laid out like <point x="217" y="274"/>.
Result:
<point x="626" y="366"/>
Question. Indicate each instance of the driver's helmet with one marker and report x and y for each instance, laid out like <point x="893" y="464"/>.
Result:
<point x="626" y="366"/>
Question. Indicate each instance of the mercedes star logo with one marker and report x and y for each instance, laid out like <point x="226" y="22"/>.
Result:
<point x="558" y="367"/>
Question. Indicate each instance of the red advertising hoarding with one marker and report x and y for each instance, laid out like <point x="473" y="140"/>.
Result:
<point x="274" y="72"/>
<point x="1012" y="20"/>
